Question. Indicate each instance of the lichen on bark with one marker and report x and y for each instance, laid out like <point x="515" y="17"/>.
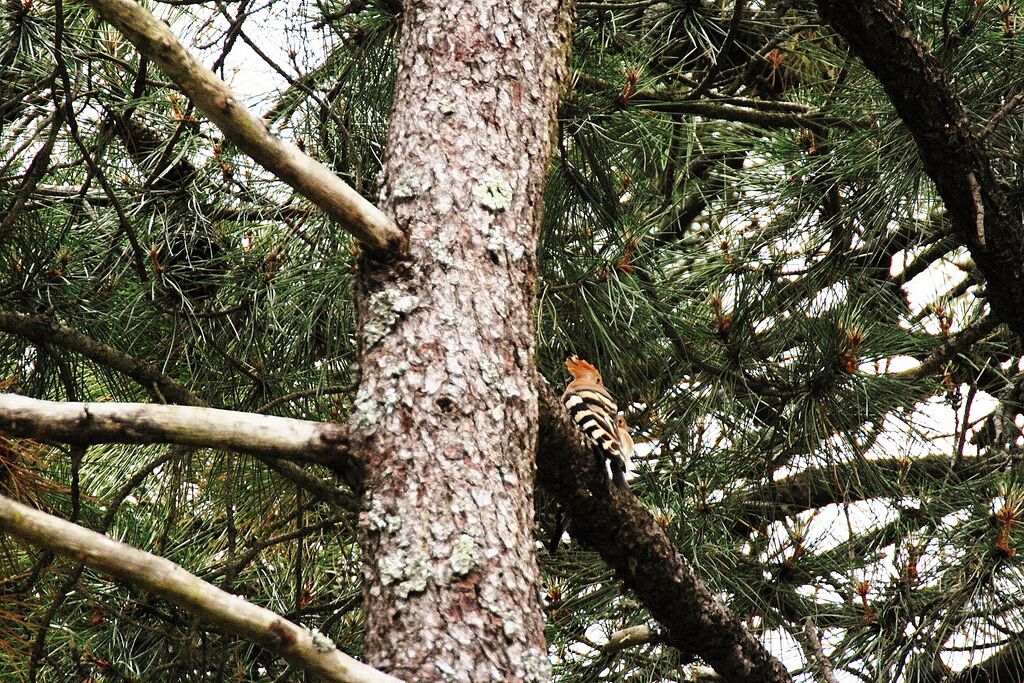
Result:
<point x="384" y="310"/>
<point x="493" y="191"/>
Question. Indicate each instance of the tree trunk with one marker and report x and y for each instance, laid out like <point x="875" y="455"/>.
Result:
<point x="446" y="415"/>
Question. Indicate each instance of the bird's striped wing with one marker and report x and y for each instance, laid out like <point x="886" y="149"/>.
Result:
<point x="594" y="413"/>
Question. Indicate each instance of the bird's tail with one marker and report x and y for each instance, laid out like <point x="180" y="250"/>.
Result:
<point x="618" y="468"/>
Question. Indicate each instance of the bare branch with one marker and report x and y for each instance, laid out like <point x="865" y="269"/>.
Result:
<point x="138" y="423"/>
<point x="727" y="112"/>
<point x="214" y="98"/>
<point x="802" y="117"/>
<point x="818" y="652"/>
<point x="627" y="637"/>
<point x="278" y="442"/>
<point x="307" y="650"/>
<point x="952" y="347"/>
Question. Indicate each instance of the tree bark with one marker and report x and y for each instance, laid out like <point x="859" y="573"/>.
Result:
<point x="446" y="414"/>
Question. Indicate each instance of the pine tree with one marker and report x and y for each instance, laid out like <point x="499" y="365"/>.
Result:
<point x="788" y="234"/>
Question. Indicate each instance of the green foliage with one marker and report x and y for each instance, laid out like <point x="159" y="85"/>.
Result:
<point x="737" y="232"/>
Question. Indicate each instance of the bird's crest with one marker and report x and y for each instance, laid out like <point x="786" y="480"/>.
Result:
<point x="580" y="368"/>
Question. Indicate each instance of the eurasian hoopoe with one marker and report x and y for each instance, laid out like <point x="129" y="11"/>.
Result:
<point x="594" y="411"/>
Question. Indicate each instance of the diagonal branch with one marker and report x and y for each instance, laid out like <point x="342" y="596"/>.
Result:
<point x="33" y="174"/>
<point x="308" y="650"/>
<point x="214" y="98"/>
<point x="43" y="329"/>
<point x="923" y="95"/>
<point x="628" y="538"/>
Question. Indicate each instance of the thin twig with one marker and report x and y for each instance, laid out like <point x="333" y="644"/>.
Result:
<point x="715" y="67"/>
<point x="69" y="113"/>
<point x="36" y="170"/>
<point x="304" y="393"/>
<point x="1003" y="112"/>
<point x="811" y="632"/>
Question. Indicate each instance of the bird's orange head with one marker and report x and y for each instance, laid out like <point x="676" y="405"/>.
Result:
<point x="581" y="369"/>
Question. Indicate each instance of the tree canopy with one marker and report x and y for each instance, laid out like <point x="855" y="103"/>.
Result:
<point x="789" y="235"/>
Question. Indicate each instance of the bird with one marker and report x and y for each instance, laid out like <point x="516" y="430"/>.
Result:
<point x="594" y="411"/>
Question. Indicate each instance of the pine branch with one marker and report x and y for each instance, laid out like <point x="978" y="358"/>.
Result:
<point x="34" y="173"/>
<point x="953" y="346"/>
<point x="1003" y="112"/>
<point x="628" y="538"/>
<point x="1005" y="665"/>
<point x="923" y="95"/>
<point x="818" y="487"/>
<point x="275" y="441"/>
<point x="94" y="169"/>
<point x="680" y="214"/>
<point x="42" y="329"/>
<point x="214" y="98"/>
<point x="924" y="260"/>
<point x="142" y="142"/>
<point x="728" y="112"/>
<point x="308" y="650"/>
<point x="710" y="109"/>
